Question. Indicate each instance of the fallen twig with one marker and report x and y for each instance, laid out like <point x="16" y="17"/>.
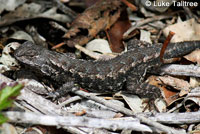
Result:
<point x="38" y="39"/>
<point x="180" y="70"/>
<point x="168" y="118"/>
<point x="94" y="54"/>
<point x="130" y="5"/>
<point x="65" y="9"/>
<point x="58" y="26"/>
<point x="48" y="120"/>
<point x="70" y="100"/>
<point x="165" y="44"/>
<point x="145" y="21"/>
<point x="127" y="112"/>
<point x="189" y="13"/>
<point x="177" y="118"/>
<point x="39" y="104"/>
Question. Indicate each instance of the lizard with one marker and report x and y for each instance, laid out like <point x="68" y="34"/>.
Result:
<point x="124" y="72"/>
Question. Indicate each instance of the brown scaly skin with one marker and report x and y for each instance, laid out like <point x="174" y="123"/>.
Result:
<point x="103" y="76"/>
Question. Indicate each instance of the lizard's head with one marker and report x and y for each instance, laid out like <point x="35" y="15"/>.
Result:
<point x="27" y="53"/>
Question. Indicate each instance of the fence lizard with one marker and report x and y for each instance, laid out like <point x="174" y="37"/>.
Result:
<point x="123" y="71"/>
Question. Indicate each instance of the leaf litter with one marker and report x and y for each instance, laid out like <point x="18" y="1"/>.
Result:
<point x="101" y="28"/>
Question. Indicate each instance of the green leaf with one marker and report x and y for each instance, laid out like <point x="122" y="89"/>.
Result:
<point x="8" y="94"/>
<point x="2" y="119"/>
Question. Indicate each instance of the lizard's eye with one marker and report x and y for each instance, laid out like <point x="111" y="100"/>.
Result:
<point x="30" y="53"/>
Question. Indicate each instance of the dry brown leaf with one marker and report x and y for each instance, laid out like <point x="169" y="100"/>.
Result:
<point x="99" y="45"/>
<point x="184" y="31"/>
<point x="179" y="84"/>
<point x="169" y="96"/>
<point x="31" y="11"/>
<point x="135" y="103"/>
<point x="101" y="16"/>
<point x="10" y="5"/>
<point x="89" y="3"/>
<point x="194" y="56"/>
<point x="95" y="55"/>
<point x="194" y="82"/>
<point x="176" y="83"/>
<point x="160" y="105"/>
<point x="145" y="36"/>
<point x="116" y="32"/>
<point x="192" y="98"/>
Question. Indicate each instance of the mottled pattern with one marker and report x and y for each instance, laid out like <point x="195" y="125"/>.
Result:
<point x="103" y="76"/>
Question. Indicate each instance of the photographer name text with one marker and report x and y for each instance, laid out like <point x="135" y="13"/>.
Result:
<point x="175" y="3"/>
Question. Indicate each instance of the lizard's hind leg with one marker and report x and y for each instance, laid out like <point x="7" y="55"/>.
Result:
<point x="136" y="85"/>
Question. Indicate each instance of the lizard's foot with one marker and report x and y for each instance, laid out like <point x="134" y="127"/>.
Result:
<point x="63" y="90"/>
<point x="145" y="90"/>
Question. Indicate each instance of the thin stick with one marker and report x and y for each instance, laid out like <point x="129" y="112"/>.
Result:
<point x="127" y="112"/>
<point x="145" y="21"/>
<point x="58" y="26"/>
<point x="189" y="12"/>
<point x="65" y="9"/>
<point x="180" y="70"/>
<point x="56" y="120"/>
<point x="130" y="5"/>
<point x="70" y="100"/>
<point x="66" y="121"/>
<point x="165" y="44"/>
<point x="58" y="45"/>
